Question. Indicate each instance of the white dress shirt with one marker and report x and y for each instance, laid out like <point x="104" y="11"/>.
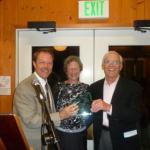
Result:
<point x="107" y="96"/>
<point x="42" y="81"/>
<point x="50" y="99"/>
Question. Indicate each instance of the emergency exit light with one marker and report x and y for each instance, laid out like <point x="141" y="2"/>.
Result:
<point x="94" y="9"/>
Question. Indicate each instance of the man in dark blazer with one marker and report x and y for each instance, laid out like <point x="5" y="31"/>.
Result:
<point x="115" y="107"/>
<point x="26" y="102"/>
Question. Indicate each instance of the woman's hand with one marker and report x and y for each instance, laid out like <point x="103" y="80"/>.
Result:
<point x="69" y="111"/>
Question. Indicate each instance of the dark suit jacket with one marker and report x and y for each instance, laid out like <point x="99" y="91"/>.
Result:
<point x="125" y="114"/>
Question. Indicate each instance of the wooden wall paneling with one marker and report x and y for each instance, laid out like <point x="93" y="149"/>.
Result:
<point x="1" y="43"/>
<point x="140" y="6"/>
<point x="147" y="9"/>
<point x="1" y="34"/>
<point x="122" y="13"/>
<point x="115" y="9"/>
<point x="29" y="11"/>
<point x="8" y="50"/>
<point x="63" y="12"/>
<point x="2" y="61"/>
<point x="128" y="12"/>
<point x="140" y="1"/>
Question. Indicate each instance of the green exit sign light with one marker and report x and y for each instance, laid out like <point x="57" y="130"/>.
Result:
<point x="94" y="9"/>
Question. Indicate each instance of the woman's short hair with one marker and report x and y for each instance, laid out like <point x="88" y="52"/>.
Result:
<point x="70" y="59"/>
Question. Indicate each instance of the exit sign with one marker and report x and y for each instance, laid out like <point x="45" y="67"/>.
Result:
<point x="94" y="9"/>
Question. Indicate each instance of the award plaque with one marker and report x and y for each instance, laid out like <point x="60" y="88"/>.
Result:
<point x="81" y="120"/>
<point x="84" y="103"/>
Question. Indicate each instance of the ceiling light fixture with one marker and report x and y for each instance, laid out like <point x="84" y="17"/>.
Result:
<point x="60" y="48"/>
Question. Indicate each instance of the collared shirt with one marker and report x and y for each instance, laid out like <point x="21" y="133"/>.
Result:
<point x="42" y="81"/>
<point x="107" y="97"/>
<point x="53" y="114"/>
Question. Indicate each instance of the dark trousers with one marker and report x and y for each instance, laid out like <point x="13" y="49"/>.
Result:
<point x="105" y="140"/>
<point x="73" y="141"/>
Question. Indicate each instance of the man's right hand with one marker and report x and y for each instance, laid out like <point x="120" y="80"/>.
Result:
<point x="99" y="104"/>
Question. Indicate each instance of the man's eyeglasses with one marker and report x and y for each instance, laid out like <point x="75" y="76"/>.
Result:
<point x="110" y="62"/>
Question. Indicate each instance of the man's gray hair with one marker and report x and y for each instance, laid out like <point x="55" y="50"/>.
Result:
<point x="112" y="52"/>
